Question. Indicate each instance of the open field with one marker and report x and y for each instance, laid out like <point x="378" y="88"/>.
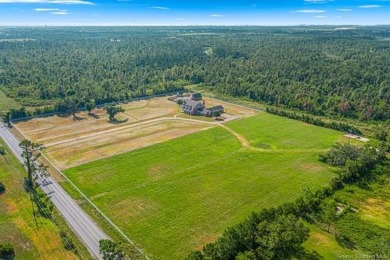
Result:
<point x="176" y="196"/>
<point x="70" y="143"/>
<point x="7" y="103"/>
<point x="326" y="245"/>
<point x="17" y="224"/>
<point x="270" y="132"/>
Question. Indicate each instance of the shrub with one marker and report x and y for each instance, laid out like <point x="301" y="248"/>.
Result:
<point x="2" y="188"/>
<point x="7" y="251"/>
<point x="67" y="242"/>
<point x="2" y="150"/>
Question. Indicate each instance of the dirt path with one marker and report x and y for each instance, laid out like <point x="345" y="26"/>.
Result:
<point x="245" y="143"/>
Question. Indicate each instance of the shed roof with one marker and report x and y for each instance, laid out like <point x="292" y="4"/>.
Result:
<point x="217" y="108"/>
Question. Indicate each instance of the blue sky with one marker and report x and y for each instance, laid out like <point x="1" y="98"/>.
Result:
<point x="193" y="12"/>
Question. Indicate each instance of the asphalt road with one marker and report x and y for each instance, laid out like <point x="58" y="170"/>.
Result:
<point x="83" y="226"/>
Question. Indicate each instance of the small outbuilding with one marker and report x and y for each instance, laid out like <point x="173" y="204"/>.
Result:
<point x="196" y="96"/>
<point x="218" y="108"/>
<point x="212" y="110"/>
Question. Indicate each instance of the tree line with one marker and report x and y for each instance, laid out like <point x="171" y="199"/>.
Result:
<point x="339" y="126"/>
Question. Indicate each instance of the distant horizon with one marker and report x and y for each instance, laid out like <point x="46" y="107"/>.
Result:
<point x="194" y="25"/>
<point x="193" y="12"/>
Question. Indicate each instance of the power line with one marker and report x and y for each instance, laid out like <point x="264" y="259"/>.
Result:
<point x="18" y="179"/>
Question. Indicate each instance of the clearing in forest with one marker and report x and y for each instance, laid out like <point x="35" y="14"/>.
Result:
<point x="176" y="196"/>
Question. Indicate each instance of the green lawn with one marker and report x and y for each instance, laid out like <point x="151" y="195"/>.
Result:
<point x="174" y="197"/>
<point x="326" y="245"/>
<point x="7" y="103"/>
<point x="277" y="133"/>
<point x="17" y="225"/>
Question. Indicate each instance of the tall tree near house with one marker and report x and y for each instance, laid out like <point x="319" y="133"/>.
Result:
<point x="112" y="111"/>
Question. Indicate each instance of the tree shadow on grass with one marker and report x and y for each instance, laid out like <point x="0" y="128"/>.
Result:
<point x="117" y="122"/>
<point x="78" y="118"/>
<point x="65" y="115"/>
<point x="345" y="241"/>
<point x="94" y="115"/>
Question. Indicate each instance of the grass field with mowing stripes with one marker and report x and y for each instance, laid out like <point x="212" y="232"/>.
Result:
<point x="176" y="196"/>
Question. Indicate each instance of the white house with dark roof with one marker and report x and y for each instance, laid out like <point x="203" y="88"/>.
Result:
<point x="192" y="107"/>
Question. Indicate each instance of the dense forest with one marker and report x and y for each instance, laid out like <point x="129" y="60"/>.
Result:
<point x="338" y="72"/>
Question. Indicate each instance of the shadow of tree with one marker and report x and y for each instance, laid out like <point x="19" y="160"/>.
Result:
<point x="117" y="122"/>
<point x="78" y="118"/>
<point x="345" y="242"/>
<point x="94" y="115"/>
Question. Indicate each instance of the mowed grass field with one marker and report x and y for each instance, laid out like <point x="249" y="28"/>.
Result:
<point x="271" y="132"/>
<point x="176" y="196"/>
<point x="17" y="224"/>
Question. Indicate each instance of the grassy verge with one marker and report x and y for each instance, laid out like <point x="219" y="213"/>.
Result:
<point x="33" y="238"/>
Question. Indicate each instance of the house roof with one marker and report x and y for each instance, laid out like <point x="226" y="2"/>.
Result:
<point x="217" y="108"/>
<point x="191" y="105"/>
<point x="196" y="95"/>
<point x="190" y="102"/>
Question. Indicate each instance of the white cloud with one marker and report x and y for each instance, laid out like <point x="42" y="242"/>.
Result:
<point x="65" y="2"/>
<point x="160" y="7"/>
<point x="60" y="13"/>
<point x="216" y="15"/>
<point x="318" y="1"/>
<point x="320" y="16"/>
<point x="369" y="6"/>
<point x="344" y="10"/>
<point x="48" y="10"/>
<point x="310" y="11"/>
